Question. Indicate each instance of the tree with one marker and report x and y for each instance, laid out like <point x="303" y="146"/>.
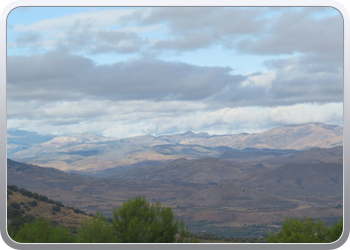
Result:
<point x="138" y="221"/>
<point x="305" y="230"/>
<point x="97" y="230"/>
<point x="41" y="231"/>
<point x="336" y="231"/>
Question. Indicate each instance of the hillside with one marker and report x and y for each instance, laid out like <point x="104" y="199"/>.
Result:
<point x="298" y="180"/>
<point x="36" y="205"/>
<point x="212" y="206"/>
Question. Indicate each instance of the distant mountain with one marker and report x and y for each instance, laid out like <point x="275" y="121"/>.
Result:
<point x="91" y="154"/>
<point x="18" y="136"/>
<point x="299" y="137"/>
<point x="18" y="140"/>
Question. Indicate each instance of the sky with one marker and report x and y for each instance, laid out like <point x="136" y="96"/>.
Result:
<point x="124" y="72"/>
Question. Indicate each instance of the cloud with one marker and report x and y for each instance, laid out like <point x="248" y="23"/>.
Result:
<point x="27" y="38"/>
<point x="298" y="31"/>
<point x="130" y="118"/>
<point x="262" y="31"/>
<point x="59" y="76"/>
<point x="64" y="92"/>
<point x="99" y="19"/>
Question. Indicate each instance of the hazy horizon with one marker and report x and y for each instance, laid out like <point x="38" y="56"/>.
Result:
<point x="181" y="132"/>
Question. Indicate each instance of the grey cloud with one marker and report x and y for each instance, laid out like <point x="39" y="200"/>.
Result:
<point x="249" y="30"/>
<point x="82" y="37"/>
<point x="53" y="65"/>
<point x="198" y="27"/>
<point x="297" y="32"/>
<point x="303" y="79"/>
<point x="58" y="75"/>
<point x="27" y="38"/>
<point x="217" y="20"/>
<point x="193" y="41"/>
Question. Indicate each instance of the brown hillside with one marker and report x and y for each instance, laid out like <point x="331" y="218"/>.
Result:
<point x="65" y="217"/>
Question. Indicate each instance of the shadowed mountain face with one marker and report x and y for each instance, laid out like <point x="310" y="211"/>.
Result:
<point x="94" y="155"/>
<point x="302" y="173"/>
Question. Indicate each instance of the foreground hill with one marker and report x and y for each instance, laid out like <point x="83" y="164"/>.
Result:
<point x="40" y="206"/>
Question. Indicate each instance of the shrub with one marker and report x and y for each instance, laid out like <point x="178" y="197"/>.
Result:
<point x="13" y="188"/>
<point x="32" y="203"/>
<point x="41" y="231"/>
<point x="138" y="221"/>
<point x="26" y="192"/>
<point x="56" y="208"/>
<point x="97" y="230"/>
<point x="43" y="198"/>
<point x="59" y="204"/>
<point x="15" y="205"/>
<point x="306" y="230"/>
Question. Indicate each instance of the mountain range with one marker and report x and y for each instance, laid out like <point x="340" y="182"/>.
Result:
<point x="215" y="183"/>
<point x="95" y="155"/>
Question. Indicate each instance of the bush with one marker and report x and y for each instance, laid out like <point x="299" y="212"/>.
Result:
<point x="59" y="204"/>
<point x="13" y="187"/>
<point x="15" y="205"/>
<point x="306" y="230"/>
<point x="137" y="221"/>
<point x="56" y="208"/>
<point x="97" y="230"/>
<point x="41" y="231"/>
<point x="43" y="198"/>
<point x="26" y="192"/>
<point x="32" y="203"/>
<point x="336" y="231"/>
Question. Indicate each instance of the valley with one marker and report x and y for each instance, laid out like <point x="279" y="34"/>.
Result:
<point x="213" y="188"/>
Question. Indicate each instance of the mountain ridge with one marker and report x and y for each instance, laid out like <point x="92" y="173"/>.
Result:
<point x="91" y="153"/>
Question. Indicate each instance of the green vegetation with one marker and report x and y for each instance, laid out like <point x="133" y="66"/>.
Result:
<point x="97" y="230"/>
<point x="56" y="208"/>
<point x="137" y="221"/>
<point x="41" y="231"/>
<point x="306" y="230"/>
<point x="33" y="203"/>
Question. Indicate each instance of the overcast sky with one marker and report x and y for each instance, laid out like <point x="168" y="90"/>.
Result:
<point x="130" y="71"/>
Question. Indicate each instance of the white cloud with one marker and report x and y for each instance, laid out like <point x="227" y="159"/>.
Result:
<point x="263" y="80"/>
<point x="131" y="118"/>
<point x="96" y="19"/>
